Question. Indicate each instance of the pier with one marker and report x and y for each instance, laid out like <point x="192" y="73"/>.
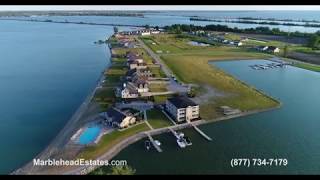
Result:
<point x="154" y="144"/>
<point x="201" y="132"/>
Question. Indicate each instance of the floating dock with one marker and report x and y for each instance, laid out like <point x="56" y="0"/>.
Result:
<point x="153" y="143"/>
<point x="201" y="132"/>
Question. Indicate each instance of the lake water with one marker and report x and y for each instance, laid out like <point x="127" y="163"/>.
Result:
<point x="46" y="71"/>
<point x="291" y="132"/>
<point x="182" y="17"/>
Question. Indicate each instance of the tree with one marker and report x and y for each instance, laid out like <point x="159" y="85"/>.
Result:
<point x="314" y="41"/>
<point x="147" y="26"/>
<point x="99" y="171"/>
<point x="122" y="170"/>
<point x="115" y="29"/>
<point x="285" y="51"/>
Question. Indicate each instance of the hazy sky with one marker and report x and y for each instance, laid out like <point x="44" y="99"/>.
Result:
<point x="152" y="7"/>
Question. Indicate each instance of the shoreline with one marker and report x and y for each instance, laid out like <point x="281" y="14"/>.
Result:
<point x="137" y="137"/>
<point x="68" y="130"/>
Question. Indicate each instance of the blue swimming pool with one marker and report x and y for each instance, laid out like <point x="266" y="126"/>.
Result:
<point x="89" y="134"/>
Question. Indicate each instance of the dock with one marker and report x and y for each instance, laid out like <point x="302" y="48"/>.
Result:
<point x="173" y="132"/>
<point x="154" y="144"/>
<point x="201" y="132"/>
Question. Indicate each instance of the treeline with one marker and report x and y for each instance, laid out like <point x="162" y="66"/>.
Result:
<point x="67" y="13"/>
<point x="178" y="28"/>
<point x="256" y="22"/>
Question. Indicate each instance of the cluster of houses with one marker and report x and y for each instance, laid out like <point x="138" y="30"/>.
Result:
<point x="180" y="108"/>
<point x="126" y="41"/>
<point x="219" y="37"/>
<point x="135" y="83"/>
<point x="269" y="49"/>
<point x="141" y="32"/>
<point x="137" y="77"/>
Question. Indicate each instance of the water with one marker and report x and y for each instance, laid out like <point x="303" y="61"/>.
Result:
<point x="290" y="132"/>
<point x="175" y="17"/>
<point x="46" y="71"/>
<point x="89" y="134"/>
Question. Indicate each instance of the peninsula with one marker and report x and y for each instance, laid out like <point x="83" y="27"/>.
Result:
<point x="159" y="81"/>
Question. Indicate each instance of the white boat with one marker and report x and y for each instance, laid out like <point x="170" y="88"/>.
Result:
<point x="147" y="144"/>
<point x="181" y="143"/>
<point x="187" y="141"/>
<point x="158" y="143"/>
<point x="180" y="134"/>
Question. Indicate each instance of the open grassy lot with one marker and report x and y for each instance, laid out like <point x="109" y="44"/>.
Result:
<point x="158" y="87"/>
<point x="308" y="66"/>
<point x="170" y="44"/>
<point x="157" y="119"/>
<point x="109" y="140"/>
<point x="191" y="66"/>
<point x="158" y="73"/>
<point x="161" y="99"/>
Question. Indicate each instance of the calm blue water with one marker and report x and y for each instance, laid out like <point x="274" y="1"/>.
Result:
<point x="89" y="134"/>
<point x="168" y="18"/>
<point x="46" y="71"/>
<point x="290" y="132"/>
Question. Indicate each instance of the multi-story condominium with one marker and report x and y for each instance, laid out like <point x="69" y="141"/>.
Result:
<point x="182" y="109"/>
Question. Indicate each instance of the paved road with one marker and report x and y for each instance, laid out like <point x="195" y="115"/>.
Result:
<point x="174" y="85"/>
<point x="164" y="68"/>
<point x="141" y="106"/>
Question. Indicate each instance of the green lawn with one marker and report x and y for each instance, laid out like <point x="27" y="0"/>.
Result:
<point x="308" y="66"/>
<point x="190" y="65"/>
<point x="158" y="87"/>
<point x="157" y="119"/>
<point x="161" y="99"/>
<point x="157" y="72"/>
<point x="109" y="140"/>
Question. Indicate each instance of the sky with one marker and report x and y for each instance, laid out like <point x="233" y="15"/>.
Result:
<point x="161" y="7"/>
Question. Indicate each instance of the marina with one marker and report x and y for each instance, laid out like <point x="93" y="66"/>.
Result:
<point x="268" y="66"/>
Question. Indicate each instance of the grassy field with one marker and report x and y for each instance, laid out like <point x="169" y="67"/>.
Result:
<point x="191" y="66"/>
<point x="161" y="99"/>
<point x="310" y="67"/>
<point x="109" y="140"/>
<point x="157" y="72"/>
<point x="157" y="119"/>
<point x="158" y="87"/>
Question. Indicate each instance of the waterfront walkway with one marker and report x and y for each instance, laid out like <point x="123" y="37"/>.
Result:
<point x="201" y="132"/>
<point x="153" y="143"/>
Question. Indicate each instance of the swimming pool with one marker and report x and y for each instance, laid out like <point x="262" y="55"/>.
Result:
<point x="89" y="134"/>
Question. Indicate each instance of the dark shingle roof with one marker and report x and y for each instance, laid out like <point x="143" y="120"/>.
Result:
<point x="116" y="115"/>
<point x="272" y="48"/>
<point x="181" y="102"/>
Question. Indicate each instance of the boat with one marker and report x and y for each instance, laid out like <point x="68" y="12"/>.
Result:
<point x="181" y="143"/>
<point x="187" y="141"/>
<point x="147" y="144"/>
<point x="180" y="134"/>
<point x="158" y="143"/>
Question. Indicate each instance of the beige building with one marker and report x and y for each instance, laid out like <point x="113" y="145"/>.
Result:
<point x="182" y="109"/>
<point x="117" y="118"/>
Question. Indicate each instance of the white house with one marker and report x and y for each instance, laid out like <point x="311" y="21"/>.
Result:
<point x="127" y="93"/>
<point x="114" y="117"/>
<point x="238" y="43"/>
<point x="273" y="49"/>
<point x="145" y="33"/>
<point x="182" y="109"/>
